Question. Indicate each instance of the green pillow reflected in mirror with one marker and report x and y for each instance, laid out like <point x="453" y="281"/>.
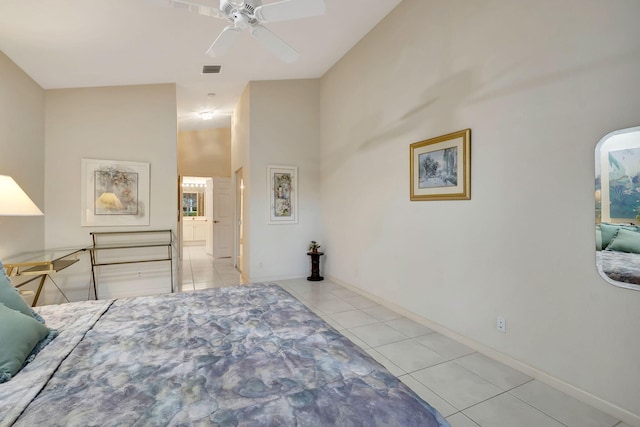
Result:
<point x="617" y="207"/>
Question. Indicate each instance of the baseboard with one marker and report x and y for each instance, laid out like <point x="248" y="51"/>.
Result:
<point x="571" y="390"/>
<point x="263" y="279"/>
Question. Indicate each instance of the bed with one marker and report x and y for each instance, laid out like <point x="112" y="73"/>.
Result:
<point x="618" y="252"/>
<point x="619" y="266"/>
<point x="241" y="356"/>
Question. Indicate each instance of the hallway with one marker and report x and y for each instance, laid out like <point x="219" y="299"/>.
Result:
<point x="202" y="271"/>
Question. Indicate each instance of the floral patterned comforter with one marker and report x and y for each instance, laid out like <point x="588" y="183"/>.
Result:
<point x="242" y="356"/>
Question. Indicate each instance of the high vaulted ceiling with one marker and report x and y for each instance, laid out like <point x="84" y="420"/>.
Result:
<point x="92" y="43"/>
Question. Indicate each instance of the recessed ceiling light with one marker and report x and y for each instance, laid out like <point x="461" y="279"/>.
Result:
<point x="206" y="115"/>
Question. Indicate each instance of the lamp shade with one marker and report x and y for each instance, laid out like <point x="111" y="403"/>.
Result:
<point x="109" y="201"/>
<point x="14" y="201"/>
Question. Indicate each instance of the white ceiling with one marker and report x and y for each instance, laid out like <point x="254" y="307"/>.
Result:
<point x="90" y="43"/>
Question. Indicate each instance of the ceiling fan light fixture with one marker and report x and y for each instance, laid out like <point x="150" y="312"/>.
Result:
<point x="251" y="14"/>
<point x="206" y="115"/>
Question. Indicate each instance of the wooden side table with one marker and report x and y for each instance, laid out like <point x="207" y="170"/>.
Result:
<point x="315" y="266"/>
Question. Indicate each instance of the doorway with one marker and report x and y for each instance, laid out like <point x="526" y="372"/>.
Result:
<point x="196" y="209"/>
<point x="207" y="214"/>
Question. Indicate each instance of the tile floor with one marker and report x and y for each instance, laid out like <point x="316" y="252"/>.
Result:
<point x="201" y="271"/>
<point x="468" y="388"/>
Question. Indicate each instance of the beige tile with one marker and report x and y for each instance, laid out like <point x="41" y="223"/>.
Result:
<point x="344" y="293"/>
<point x="353" y="318"/>
<point x="456" y="385"/>
<point x="428" y="396"/>
<point x="461" y="420"/>
<point x="187" y="282"/>
<point x="324" y="297"/>
<point x="205" y="276"/>
<point x="391" y="367"/>
<point x="444" y="346"/>
<point x="562" y="407"/>
<point x="232" y="281"/>
<point x="360" y="302"/>
<point x="333" y="305"/>
<point x="508" y="411"/>
<point x="408" y="327"/>
<point x="311" y="307"/>
<point x="382" y="313"/>
<point x="409" y="355"/>
<point x="354" y="339"/>
<point x="332" y="322"/>
<point x="209" y="285"/>
<point x="327" y="285"/>
<point x="377" y="334"/>
<point x="495" y="372"/>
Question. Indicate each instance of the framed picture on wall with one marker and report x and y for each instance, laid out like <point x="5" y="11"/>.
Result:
<point x="440" y="168"/>
<point x="282" y="183"/>
<point x="114" y="193"/>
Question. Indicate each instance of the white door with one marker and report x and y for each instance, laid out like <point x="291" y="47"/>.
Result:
<point x="208" y="212"/>
<point x="222" y="218"/>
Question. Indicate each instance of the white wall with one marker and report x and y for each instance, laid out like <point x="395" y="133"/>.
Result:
<point x="130" y="123"/>
<point x="539" y="83"/>
<point x="21" y="154"/>
<point x="284" y="119"/>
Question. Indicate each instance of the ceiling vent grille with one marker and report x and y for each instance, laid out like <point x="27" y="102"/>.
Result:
<point x="211" y="69"/>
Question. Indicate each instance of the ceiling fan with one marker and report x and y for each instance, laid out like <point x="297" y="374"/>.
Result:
<point x="251" y="14"/>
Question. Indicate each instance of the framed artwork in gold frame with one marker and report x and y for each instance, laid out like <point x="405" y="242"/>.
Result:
<point x="440" y="168"/>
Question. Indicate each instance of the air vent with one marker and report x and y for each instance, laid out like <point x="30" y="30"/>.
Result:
<point x="211" y="69"/>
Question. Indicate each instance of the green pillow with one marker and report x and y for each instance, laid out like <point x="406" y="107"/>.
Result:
<point x="22" y="337"/>
<point x="609" y="231"/>
<point x="10" y="297"/>
<point x="625" y="241"/>
<point x="598" y="238"/>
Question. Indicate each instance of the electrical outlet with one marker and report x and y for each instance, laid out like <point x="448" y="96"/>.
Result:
<point x="501" y="324"/>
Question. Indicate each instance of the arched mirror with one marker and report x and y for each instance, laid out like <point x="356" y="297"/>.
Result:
<point x="617" y="197"/>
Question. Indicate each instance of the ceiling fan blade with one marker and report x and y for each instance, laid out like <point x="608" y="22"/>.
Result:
<point x="275" y="43"/>
<point x="224" y="41"/>
<point x="199" y="8"/>
<point x="289" y="9"/>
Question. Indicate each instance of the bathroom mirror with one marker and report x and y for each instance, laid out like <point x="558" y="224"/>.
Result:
<point x="617" y="207"/>
<point x="193" y="196"/>
<point x="193" y="203"/>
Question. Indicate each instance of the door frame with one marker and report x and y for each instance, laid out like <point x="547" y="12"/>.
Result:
<point x="239" y="221"/>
